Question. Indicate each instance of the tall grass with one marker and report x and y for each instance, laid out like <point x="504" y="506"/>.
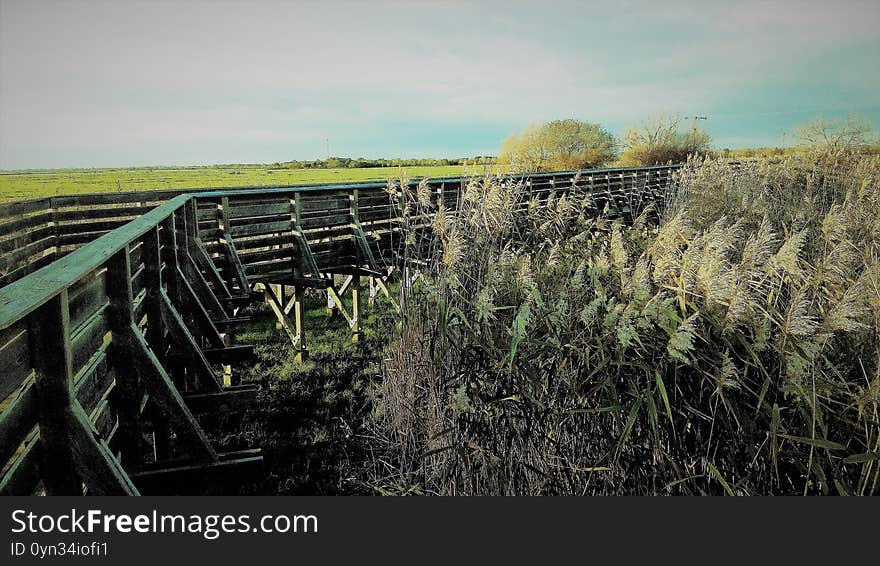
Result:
<point x="731" y="348"/>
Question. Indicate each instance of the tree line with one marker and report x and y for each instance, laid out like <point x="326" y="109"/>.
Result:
<point x="572" y="144"/>
<point x="362" y="162"/>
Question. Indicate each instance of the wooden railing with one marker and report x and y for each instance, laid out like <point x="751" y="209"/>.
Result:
<point x="118" y="311"/>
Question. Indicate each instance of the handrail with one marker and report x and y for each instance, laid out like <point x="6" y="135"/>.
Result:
<point x="204" y="191"/>
<point x="23" y="296"/>
<point x="20" y="298"/>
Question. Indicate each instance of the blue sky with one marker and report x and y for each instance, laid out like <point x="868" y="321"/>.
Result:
<point x="96" y="83"/>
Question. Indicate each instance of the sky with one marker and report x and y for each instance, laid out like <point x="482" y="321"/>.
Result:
<point x="125" y="83"/>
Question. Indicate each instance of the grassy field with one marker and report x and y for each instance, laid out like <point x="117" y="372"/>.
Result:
<point x="20" y="186"/>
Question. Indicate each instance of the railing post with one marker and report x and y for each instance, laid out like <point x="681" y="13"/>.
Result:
<point x="153" y="284"/>
<point x="52" y="358"/>
<point x="121" y="317"/>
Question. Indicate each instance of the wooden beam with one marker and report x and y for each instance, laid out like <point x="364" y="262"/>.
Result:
<point x="337" y="299"/>
<point x="294" y="330"/>
<point x="204" y="321"/>
<point x="206" y="296"/>
<point x="237" y="398"/>
<point x="165" y="396"/>
<point x="99" y="469"/>
<point x="230" y="354"/>
<point x="188" y="347"/>
<point x="203" y="259"/>
<point x="195" y="477"/>
<point x="356" y="309"/>
<point x="235" y="262"/>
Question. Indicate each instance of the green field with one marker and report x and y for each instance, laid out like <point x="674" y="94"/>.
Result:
<point x="20" y="186"/>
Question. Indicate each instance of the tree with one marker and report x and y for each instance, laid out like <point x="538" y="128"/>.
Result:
<point x="834" y="134"/>
<point x="663" y="140"/>
<point x="558" y="145"/>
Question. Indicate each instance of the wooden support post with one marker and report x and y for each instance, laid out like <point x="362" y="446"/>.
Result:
<point x="374" y="289"/>
<point x="300" y="322"/>
<point x="168" y="239"/>
<point x="225" y="228"/>
<point x="52" y="358"/>
<point x="127" y="403"/>
<point x="331" y="304"/>
<point x="151" y="255"/>
<point x="355" y="308"/>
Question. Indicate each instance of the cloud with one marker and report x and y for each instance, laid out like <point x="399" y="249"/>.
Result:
<point x="115" y="83"/>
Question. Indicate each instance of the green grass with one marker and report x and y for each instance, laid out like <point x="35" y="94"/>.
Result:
<point x="28" y="185"/>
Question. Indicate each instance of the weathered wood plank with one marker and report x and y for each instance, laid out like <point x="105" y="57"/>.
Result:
<point x="239" y="211"/>
<point x="233" y="399"/>
<point x="263" y="228"/>
<point x="15" y="358"/>
<point x="17" y="420"/>
<point x="182" y="479"/>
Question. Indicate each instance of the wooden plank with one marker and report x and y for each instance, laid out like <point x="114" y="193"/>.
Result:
<point x="308" y="222"/>
<point x="30" y="267"/>
<point x="237" y="211"/>
<point x="86" y="340"/>
<point x="148" y="198"/>
<point x="263" y="228"/>
<point x="87" y="227"/>
<point x="103" y="213"/>
<point x="15" y="259"/>
<point x="87" y="297"/>
<point x="189" y="478"/>
<point x="23" y="476"/>
<point x="229" y="401"/>
<point x="15" y="358"/>
<point x="203" y="260"/>
<point x="19" y="241"/>
<point x="22" y="207"/>
<point x="95" y="381"/>
<point x="17" y="420"/>
<point x="24" y="223"/>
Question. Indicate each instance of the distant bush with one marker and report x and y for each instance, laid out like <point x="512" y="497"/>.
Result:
<point x="664" y="140"/>
<point x="361" y="162"/>
<point x="557" y="146"/>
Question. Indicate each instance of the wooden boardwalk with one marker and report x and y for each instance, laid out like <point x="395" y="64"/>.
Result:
<point x="118" y="313"/>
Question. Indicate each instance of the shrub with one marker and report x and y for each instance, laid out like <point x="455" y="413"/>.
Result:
<point x="663" y="141"/>
<point x="556" y="146"/>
